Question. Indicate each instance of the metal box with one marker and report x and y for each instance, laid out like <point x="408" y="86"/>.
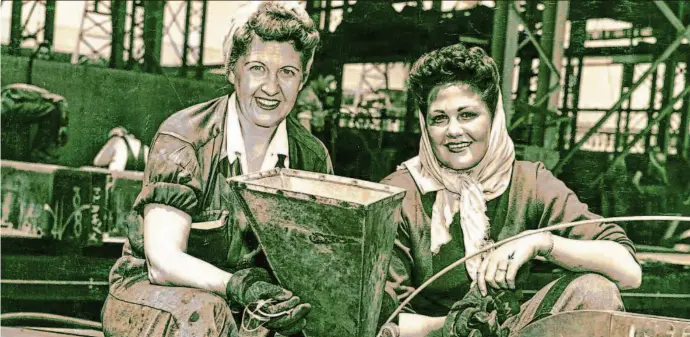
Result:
<point x="328" y="239"/>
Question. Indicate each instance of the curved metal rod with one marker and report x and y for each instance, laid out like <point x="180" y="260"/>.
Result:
<point x="23" y="318"/>
<point x="526" y="233"/>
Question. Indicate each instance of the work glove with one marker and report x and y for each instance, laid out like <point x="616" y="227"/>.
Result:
<point x="481" y="316"/>
<point x="282" y="312"/>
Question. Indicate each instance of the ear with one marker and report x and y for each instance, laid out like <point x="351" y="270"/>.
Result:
<point x="302" y="83"/>
<point x="231" y="76"/>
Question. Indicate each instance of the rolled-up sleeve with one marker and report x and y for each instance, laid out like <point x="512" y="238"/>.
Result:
<point x="172" y="176"/>
<point x="560" y="205"/>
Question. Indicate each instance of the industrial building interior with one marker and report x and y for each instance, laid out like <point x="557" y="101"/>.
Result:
<point x="599" y="92"/>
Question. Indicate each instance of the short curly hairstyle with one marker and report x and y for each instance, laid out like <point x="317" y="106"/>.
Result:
<point x="276" y="21"/>
<point x="454" y="64"/>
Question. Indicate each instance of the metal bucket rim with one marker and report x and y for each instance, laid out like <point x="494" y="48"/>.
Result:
<point x="249" y="181"/>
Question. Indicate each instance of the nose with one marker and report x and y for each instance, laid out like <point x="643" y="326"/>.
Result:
<point x="270" y="87"/>
<point x="455" y="128"/>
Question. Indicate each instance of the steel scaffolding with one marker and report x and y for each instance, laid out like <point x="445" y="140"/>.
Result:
<point x="22" y="31"/>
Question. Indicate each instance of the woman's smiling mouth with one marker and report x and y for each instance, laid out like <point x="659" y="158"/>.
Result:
<point x="456" y="147"/>
<point x="267" y="103"/>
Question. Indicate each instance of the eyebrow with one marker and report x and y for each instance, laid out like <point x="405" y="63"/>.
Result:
<point x="254" y="61"/>
<point x="460" y="109"/>
<point x="291" y="66"/>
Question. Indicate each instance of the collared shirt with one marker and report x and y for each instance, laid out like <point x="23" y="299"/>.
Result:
<point x="235" y="142"/>
<point x="425" y="183"/>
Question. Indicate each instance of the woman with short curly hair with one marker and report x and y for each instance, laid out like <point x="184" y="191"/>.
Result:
<point x="464" y="190"/>
<point x="194" y="257"/>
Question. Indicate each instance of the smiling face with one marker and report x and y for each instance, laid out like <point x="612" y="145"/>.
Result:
<point x="267" y="80"/>
<point x="458" y="123"/>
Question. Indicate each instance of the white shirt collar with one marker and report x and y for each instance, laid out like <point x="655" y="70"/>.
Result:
<point x="235" y="142"/>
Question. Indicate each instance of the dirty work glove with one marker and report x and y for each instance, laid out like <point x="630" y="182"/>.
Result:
<point x="249" y="286"/>
<point x="481" y="316"/>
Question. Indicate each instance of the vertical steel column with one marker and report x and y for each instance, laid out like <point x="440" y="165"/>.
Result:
<point x="185" y="44"/>
<point x="504" y="43"/>
<point x="562" y="129"/>
<point x="437" y="5"/>
<point x="553" y="33"/>
<point x="16" y="27"/>
<point x="202" y="34"/>
<point x="626" y="83"/>
<point x="576" y="101"/>
<point x="684" y="131"/>
<point x="153" y="35"/>
<point x="651" y="109"/>
<point x="315" y="11"/>
<point x="118" y="12"/>
<point x="49" y="27"/>
<point x="663" y="137"/>
<point x="327" y="20"/>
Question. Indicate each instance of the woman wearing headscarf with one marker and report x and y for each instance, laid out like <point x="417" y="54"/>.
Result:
<point x="195" y="257"/>
<point x="465" y="190"/>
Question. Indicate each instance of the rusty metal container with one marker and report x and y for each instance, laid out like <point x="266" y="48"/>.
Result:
<point x="328" y="239"/>
<point x="84" y="205"/>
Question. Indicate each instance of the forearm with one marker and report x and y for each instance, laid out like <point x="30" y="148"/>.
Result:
<point x="604" y="257"/>
<point x="412" y="325"/>
<point x="183" y="270"/>
<point x="103" y="157"/>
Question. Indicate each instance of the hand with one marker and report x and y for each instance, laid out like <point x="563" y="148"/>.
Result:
<point x="285" y="314"/>
<point x="500" y="267"/>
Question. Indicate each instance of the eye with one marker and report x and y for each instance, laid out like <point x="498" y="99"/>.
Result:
<point x="257" y="69"/>
<point x="468" y="115"/>
<point x="438" y="119"/>
<point x="287" y="72"/>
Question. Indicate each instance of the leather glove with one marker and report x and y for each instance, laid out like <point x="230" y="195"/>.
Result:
<point x="479" y="316"/>
<point x="249" y="286"/>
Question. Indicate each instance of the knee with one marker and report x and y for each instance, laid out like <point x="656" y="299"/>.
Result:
<point x="208" y="310"/>
<point x="596" y="292"/>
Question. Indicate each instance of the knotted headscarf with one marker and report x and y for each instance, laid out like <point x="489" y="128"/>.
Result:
<point x="465" y="191"/>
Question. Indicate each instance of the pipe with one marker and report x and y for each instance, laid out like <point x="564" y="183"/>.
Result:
<point x="526" y="233"/>
<point x="32" y="318"/>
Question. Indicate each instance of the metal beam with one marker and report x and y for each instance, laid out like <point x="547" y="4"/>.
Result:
<point x="16" y="27"/>
<point x="668" y="13"/>
<point x="503" y="49"/>
<point x="662" y="140"/>
<point x="153" y="35"/>
<point x="202" y="32"/>
<point x="554" y="16"/>
<point x="684" y="131"/>
<point x="542" y="55"/>
<point x="562" y="128"/>
<point x="665" y="112"/>
<point x="327" y="19"/>
<point x="652" y="108"/>
<point x="667" y="52"/>
<point x="118" y="13"/>
<point x="576" y="102"/>
<point x="185" y="43"/>
<point x="627" y="81"/>
<point x="49" y="26"/>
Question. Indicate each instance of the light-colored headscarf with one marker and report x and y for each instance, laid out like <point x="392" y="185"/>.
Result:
<point x="465" y="191"/>
<point x="242" y="16"/>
